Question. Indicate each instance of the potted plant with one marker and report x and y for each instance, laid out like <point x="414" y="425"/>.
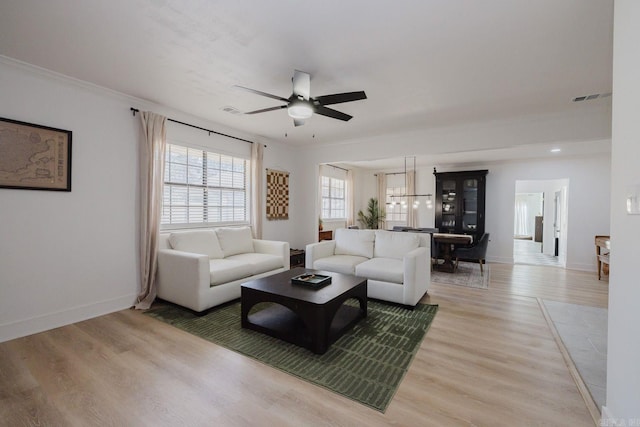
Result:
<point x="319" y="224"/>
<point x="374" y="215"/>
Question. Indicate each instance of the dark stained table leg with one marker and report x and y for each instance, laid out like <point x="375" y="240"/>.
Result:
<point x="447" y="265"/>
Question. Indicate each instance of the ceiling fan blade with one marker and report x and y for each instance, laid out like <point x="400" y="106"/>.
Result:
<point x="301" y="84"/>
<point x="264" y="110"/>
<point x="257" y="92"/>
<point x="334" y="114"/>
<point x="338" y="98"/>
<point x="298" y="122"/>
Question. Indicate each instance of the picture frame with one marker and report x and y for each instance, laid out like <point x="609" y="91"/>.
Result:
<point x="34" y="157"/>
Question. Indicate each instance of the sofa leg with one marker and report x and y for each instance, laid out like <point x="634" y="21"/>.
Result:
<point x="481" y="270"/>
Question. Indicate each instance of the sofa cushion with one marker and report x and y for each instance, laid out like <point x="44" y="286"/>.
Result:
<point x="197" y="241"/>
<point x="226" y="270"/>
<point x="345" y="264"/>
<point x="383" y="269"/>
<point x="235" y="241"/>
<point x="259" y="263"/>
<point x="390" y="244"/>
<point x="354" y="242"/>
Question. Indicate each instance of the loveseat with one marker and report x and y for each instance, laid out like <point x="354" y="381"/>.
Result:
<point x="200" y="269"/>
<point x="396" y="264"/>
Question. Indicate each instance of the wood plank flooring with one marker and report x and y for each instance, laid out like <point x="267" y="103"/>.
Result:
<point x="489" y="359"/>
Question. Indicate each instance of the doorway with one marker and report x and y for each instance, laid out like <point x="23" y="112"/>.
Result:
<point x="539" y="235"/>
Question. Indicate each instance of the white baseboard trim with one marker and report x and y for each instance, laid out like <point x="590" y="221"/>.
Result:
<point x="500" y="260"/>
<point x="582" y="267"/>
<point x="33" y="325"/>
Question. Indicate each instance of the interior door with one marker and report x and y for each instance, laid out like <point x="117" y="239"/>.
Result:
<point x="557" y="220"/>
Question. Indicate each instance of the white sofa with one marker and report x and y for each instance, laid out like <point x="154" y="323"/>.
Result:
<point x="397" y="265"/>
<point x="200" y="269"/>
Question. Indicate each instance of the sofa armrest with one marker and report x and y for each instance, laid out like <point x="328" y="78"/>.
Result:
<point x="417" y="274"/>
<point x="315" y="251"/>
<point x="273" y="247"/>
<point x="183" y="277"/>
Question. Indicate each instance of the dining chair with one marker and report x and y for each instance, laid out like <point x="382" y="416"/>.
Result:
<point x="476" y="252"/>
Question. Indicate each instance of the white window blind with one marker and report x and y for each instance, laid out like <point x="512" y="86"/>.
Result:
<point x="333" y="198"/>
<point x="204" y="188"/>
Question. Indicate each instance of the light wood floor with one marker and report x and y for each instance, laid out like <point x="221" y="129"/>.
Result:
<point x="489" y="359"/>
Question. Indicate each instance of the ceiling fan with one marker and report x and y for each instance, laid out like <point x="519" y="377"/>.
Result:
<point x="300" y="105"/>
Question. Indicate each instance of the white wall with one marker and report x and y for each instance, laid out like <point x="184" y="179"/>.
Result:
<point x="586" y="215"/>
<point x="623" y="350"/>
<point x="66" y="257"/>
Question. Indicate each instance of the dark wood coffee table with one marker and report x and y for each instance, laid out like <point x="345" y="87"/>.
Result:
<point x="308" y="317"/>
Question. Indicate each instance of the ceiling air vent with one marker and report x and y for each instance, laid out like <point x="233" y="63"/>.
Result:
<point x="231" y="110"/>
<point x="590" y="97"/>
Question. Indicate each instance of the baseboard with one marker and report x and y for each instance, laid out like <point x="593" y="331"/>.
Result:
<point x="500" y="260"/>
<point x="582" y="267"/>
<point x="33" y="325"/>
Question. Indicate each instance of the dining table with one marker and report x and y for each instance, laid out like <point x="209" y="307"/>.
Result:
<point x="448" y="242"/>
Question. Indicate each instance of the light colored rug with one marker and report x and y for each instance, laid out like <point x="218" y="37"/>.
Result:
<point x="467" y="274"/>
<point x="583" y="331"/>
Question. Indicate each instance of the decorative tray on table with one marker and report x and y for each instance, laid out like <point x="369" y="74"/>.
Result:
<point x="311" y="280"/>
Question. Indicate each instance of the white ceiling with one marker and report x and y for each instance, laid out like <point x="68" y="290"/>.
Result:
<point x="422" y="63"/>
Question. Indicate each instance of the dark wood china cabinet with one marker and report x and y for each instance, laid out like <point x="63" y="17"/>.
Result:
<point x="460" y="202"/>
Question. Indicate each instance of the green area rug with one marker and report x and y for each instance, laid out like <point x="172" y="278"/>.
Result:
<point x="366" y="364"/>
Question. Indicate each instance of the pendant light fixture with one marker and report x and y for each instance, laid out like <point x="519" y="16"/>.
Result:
<point x="404" y="198"/>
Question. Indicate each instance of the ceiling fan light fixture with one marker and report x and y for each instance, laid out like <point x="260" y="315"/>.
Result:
<point x="299" y="110"/>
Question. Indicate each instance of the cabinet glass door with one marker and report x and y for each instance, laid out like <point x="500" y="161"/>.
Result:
<point x="470" y="205"/>
<point x="449" y="204"/>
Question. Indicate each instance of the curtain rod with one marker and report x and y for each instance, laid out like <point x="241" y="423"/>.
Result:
<point x="135" y="110"/>
<point x="337" y="167"/>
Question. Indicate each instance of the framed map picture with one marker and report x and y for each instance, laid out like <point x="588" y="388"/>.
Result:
<point x="34" y="157"/>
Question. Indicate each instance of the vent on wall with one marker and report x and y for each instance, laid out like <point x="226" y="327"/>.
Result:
<point x="590" y="97"/>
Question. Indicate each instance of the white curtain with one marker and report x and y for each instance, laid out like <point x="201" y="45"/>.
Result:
<point x="350" y="196"/>
<point x="382" y="197"/>
<point x="412" y="214"/>
<point x="521" y="223"/>
<point x="257" y="184"/>
<point x="152" y="146"/>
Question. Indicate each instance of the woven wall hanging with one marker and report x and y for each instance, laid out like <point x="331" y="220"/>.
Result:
<point x="277" y="194"/>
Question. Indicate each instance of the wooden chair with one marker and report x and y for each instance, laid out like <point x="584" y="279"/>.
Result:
<point x="603" y="248"/>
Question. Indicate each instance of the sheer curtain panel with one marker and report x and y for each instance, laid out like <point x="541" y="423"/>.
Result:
<point x="257" y="183"/>
<point x="351" y="220"/>
<point x="152" y="151"/>
<point x="382" y="197"/>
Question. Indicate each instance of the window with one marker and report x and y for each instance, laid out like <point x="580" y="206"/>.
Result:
<point x="203" y="188"/>
<point x="396" y="211"/>
<point x="333" y="198"/>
